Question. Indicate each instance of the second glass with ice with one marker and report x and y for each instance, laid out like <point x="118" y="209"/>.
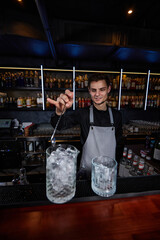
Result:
<point x="104" y="176"/>
<point x="61" y="166"/>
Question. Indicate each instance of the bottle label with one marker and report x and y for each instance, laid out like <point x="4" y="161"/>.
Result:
<point x="19" y="103"/>
<point x="141" y="166"/>
<point x="156" y="154"/>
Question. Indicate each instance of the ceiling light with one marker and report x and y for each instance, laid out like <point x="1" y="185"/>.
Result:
<point x="130" y="11"/>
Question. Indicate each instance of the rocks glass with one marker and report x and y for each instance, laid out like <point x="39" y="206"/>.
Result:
<point x="104" y="176"/>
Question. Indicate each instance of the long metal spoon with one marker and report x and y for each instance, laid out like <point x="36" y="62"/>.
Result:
<point x="53" y="142"/>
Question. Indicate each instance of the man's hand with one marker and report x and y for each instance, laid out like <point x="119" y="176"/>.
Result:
<point x="63" y="102"/>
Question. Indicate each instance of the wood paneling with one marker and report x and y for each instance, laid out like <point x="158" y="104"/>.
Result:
<point x="118" y="219"/>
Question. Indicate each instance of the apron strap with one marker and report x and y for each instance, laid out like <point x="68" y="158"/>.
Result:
<point x="91" y="115"/>
<point x="92" y="118"/>
<point x="111" y="116"/>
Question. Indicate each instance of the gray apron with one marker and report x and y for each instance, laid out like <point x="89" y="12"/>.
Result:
<point x="101" y="141"/>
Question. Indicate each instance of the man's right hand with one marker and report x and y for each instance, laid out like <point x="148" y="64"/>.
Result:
<point x="63" y="102"/>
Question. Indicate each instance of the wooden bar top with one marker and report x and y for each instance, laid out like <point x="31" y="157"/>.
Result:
<point x="133" y="218"/>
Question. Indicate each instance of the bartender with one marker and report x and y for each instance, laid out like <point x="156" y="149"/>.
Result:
<point x="101" y="126"/>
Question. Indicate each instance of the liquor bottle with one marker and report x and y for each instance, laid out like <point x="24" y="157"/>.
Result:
<point x="140" y="170"/>
<point x="28" y="102"/>
<point x="85" y="81"/>
<point x="150" y="171"/>
<point x="27" y="79"/>
<point x="70" y="83"/>
<point x="124" y="158"/>
<point x="59" y="83"/>
<point x="38" y="101"/>
<point x="36" y="79"/>
<point x="133" y="170"/>
<point x="62" y="83"/>
<point x="19" y="102"/>
<point x="51" y="82"/>
<point x="156" y="153"/>
<point x="82" y="82"/>
<point x="82" y="103"/>
<point x="79" y="81"/>
<point x="66" y="85"/>
<point x="85" y="102"/>
<point x="23" y="177"/>
<point x="47" y="103"/>
<point x="79" y="102"/>
<point x="31" y="79"/>
<point x="129" y="159"/>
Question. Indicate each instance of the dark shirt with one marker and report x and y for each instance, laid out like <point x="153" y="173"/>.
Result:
<point x="101" y="118"/>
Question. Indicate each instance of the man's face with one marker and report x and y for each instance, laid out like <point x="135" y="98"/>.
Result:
<point x="99" y="91"/>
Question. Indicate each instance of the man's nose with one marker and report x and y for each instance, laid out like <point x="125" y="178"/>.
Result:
<point x="97" y="92"/>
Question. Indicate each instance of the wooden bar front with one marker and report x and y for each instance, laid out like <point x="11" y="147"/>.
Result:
<point x="133" y="218"/>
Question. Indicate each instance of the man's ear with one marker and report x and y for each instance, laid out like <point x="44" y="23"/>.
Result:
<point x="109" y="88"/>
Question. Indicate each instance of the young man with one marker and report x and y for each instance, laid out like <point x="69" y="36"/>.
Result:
<point x="101" y="126"/>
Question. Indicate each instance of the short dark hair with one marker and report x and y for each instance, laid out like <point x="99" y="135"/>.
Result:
<point x="97" y="77"/>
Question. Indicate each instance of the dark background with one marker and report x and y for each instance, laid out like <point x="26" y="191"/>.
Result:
<point x="88" y="34"/>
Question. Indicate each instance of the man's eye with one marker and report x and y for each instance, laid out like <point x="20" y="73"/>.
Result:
<point x="102" y="89"/>
<point x="93" y="90"/>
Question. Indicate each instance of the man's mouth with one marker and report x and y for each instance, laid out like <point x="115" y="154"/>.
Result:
<point x="100" y="102"/>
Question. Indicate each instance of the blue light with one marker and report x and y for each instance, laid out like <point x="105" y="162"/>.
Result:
<point x="124" y="53"/>
<point x="138" y="55"/>
<point x="152" y="56"/>
<point x="75" y="50"/>
<point x="39" y="48"/>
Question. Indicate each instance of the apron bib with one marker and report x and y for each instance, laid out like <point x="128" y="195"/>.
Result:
<point x="101" y="141"/>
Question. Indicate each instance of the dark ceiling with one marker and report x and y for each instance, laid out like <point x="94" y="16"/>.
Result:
<point x="86" y="33"/>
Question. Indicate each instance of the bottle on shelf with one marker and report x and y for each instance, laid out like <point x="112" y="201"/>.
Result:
<point x="133" y="170"/>
<point x="31" y="79"/>
<point x="28" y="102"/>
<point x="82" y="103"/>
<point x="24" y="101"/>
<point x="85" y="81"/>
<point x="156" y="152"/>
<point x="27" y="79"/>
<point x="23" y="177"/>
<point x="140" y="170"/>
<point x="79" y="102"/>
<point x="150" y="171"/>
<point x="129" y="159"/>
<point x="19" y="102"/>
<point x="124" y="158"/>
<point x="36" y="79"/>
<point x="123" y="163"/>
<point x="47" y="103"/>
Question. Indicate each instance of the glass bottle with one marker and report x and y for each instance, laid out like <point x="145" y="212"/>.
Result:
<point x="129" y="159"/>
<point x="156" y="152"/>
<point x="140" y="170"/>
<point x="124" y="158"/>
<point x="23" y="177"/>
<point x="150" y="171"/>
<point x="133" y="170"/>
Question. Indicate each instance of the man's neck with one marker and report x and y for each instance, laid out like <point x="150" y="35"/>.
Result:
<point x="102" y="107"/>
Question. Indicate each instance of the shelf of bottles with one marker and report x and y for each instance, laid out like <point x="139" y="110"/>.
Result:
<point x="22" y="88"/>
<point x="133" y="90"/>
<point x="153" y="98"/>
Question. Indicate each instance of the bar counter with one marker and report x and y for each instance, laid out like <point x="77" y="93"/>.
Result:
<point x="133" y="218"/>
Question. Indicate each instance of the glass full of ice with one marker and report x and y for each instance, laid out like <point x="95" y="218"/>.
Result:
<point x="61" y="164"/>
<point x="104" y="176"/>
